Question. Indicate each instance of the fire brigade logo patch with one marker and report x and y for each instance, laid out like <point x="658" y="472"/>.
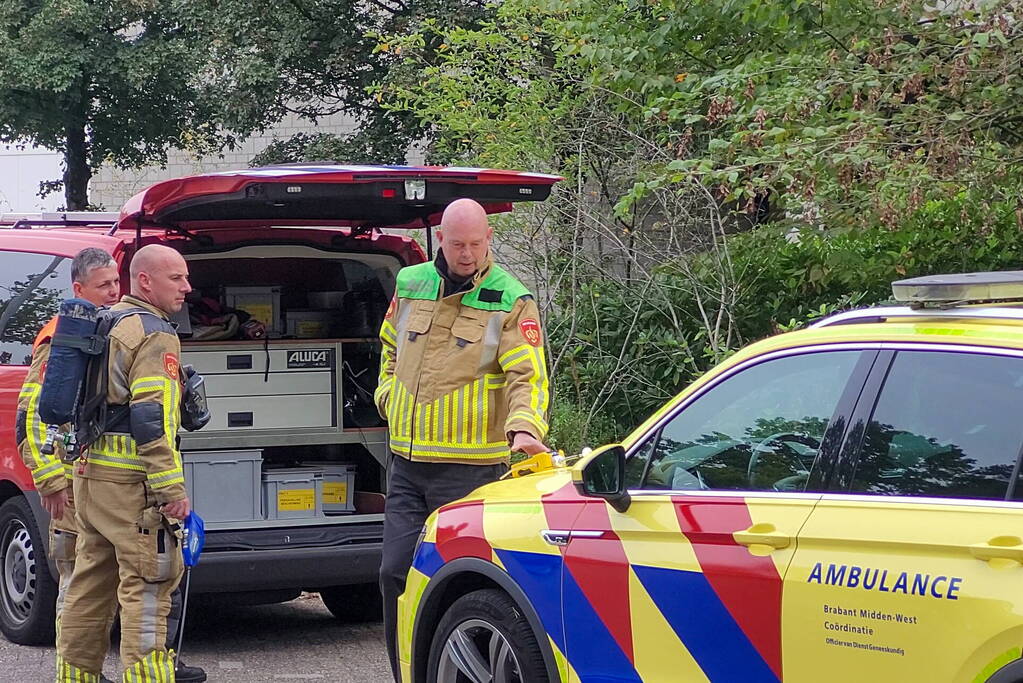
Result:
<point x="531" y="331"/>
<point x="170" y="365"/>
<point x="391" y="307"/>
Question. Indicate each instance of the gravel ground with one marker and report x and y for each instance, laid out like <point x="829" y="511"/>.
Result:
<point x="291" y="641"/>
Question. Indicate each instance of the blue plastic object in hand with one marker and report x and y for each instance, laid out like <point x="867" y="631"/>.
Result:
<point x="194" y="538"/>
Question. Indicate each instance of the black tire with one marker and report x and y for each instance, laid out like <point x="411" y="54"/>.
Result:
<point x="1010" y="673"/>
<point x="481" y="619"/>
<point x="353" y="604"/>
<point x="28" y="594"/>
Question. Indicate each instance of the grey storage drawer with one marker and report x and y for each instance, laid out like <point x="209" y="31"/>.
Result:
<point x="271" y="412"/>
<point x="274" y="384"/>
<point x="224" y="486"/>
<point x="299" y="395"/>
<point x="251" y="357"/>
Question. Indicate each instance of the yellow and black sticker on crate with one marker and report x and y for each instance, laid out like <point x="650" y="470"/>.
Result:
<point x="335" y="492"/>
<point x="296" y="499"/>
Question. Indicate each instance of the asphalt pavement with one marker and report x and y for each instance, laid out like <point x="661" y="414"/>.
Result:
<point x="291" y="641"/>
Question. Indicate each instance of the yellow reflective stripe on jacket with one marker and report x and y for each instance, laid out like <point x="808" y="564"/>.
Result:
<point x="49" y="471"/>
<point x="117" y="451"/>
<point x="457" y="418"/>
<point x="539" y="382"/>
<point x="531" y="418"/>
<point x="432" y="449"/>
<point x="42" y="467"/>
<point x="171" y="421"/>
<point x="169" y="399"/>
<point x="35" y="430"/>
<point x="514" y="357"/>
<point x="388" y="333"/>
<point x="164" y="479"/>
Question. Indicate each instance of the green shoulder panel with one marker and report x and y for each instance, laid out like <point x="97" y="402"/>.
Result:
<point x="498" y="292"/>
<point x="421" y="281"/>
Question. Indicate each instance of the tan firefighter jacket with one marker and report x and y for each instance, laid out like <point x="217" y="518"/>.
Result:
<point x="459" y="373"/>
<point x="143" y="365"/>
<point x="49" y="472"/>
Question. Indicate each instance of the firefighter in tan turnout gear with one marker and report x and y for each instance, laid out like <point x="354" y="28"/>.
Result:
<point x="463" y="383"/>
<point x="129" y="489"/>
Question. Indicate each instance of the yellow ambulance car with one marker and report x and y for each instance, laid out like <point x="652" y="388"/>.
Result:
<point x="840" y="503"/>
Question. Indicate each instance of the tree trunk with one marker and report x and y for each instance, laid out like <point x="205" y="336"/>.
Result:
<point x="76" y="168"/>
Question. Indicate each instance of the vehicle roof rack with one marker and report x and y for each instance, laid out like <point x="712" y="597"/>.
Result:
<point x="86" y="219"/>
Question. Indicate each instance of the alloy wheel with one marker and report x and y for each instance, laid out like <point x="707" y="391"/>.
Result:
<point x="476" y="652"/>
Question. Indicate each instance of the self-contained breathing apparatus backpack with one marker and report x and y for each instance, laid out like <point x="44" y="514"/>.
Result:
<point x="76" y="380"/>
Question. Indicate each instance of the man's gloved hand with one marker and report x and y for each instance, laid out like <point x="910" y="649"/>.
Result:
<point x="527" y="443"/>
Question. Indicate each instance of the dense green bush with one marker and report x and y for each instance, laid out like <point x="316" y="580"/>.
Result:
<point x="625" y="356"/>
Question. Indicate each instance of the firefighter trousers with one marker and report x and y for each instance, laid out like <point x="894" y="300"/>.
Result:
<point x="63" y="538"/>
<point x="128" y="555"/>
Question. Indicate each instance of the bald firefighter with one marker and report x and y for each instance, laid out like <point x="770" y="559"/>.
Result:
<point x="129" y="489"/>
<point x="463" y="383"/>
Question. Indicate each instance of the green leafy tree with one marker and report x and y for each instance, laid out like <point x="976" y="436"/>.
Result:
<point x="101" y="82"/>
<point x="733" y="169"/>
<point x="315" y="58"/>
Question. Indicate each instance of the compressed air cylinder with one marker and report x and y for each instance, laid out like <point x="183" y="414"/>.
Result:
<point x="66" y="367"/>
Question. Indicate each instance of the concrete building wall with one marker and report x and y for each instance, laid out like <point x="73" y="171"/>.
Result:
<point x="21" y="171"/>
<point x="110" y="187"/>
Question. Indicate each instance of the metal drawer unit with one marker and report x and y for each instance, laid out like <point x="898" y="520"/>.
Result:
<point x="279" y="394"/>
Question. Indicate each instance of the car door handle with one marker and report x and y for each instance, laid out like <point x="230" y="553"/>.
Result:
<point x="762" y="539"/>
<point x="999" y="548"/>
<point x="560" y="537"/>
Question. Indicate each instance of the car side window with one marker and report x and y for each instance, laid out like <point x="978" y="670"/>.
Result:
<point x="945" y="424"/>
<point x="31" y="289"/>
<point x="759" y="429"/>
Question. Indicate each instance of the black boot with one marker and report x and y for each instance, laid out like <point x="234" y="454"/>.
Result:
<point x="104" y="679"/>
<point x="189" y="674"/>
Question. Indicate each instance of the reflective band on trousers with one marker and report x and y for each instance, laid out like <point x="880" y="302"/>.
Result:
<point x="156" y="667"/>
<point x="69" y="673"/>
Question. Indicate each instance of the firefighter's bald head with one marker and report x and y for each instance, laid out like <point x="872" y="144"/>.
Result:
<point x="464" y="237"/>
<point x="159" y="275"/>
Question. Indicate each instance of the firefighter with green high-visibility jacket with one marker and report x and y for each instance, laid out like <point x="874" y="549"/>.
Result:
<point x="463" y="383"/>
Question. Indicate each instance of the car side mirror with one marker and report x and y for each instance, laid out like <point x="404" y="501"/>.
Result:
<point x="602" y="475"/>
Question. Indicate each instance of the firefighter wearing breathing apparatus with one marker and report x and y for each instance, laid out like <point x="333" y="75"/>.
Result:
<point x="129" y="485"/>
<point x="94" y="278"/>
<point x="463" y="383"/>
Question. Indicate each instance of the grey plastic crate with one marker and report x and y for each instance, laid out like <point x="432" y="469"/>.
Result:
<point x="293" y="493"/>
<point x="338" y="486"/>
<point x="223" y="486"/>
